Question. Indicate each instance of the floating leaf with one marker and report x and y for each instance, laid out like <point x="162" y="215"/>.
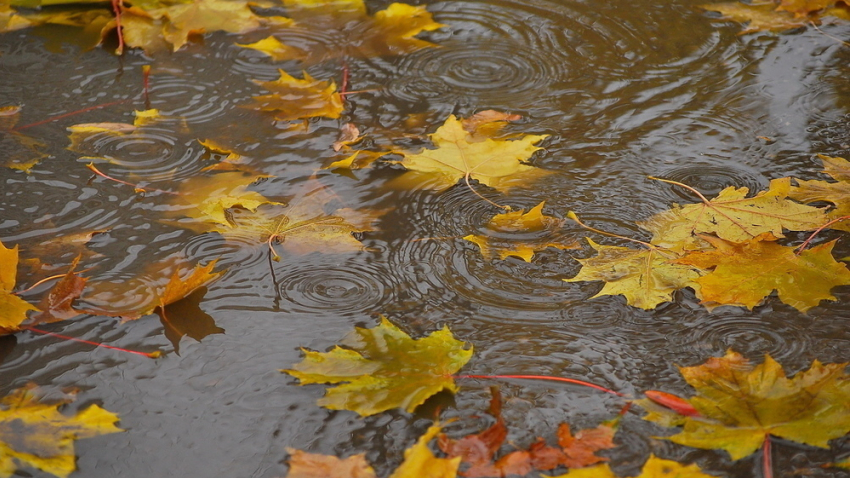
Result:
<point x="521" y="234"/>
<point x="419" y="462"/>
<point x="646" y="277"/>
<point x="389" y="32"/>
<point x="302" y="227"/>
<point x="57" y="305"/>
<point x="38" y="435"/>
<point x="383" y="368"/>
<point x="293" y="99"/>
<point x="478" y="450"/>
<point x="837" y="193"/>
<point x="185" y="318"/>
<point x="759" y="17"/>
<point x="734" y="217"/>
<point x="653" y="468"/>
<point x="744" y="273"/>
<point x="801" y="8"/>
<point x="740" y="405"/>
<point x="458" y="155"/>
<point x="206" y="199"/>
<point x="13" y="309"/>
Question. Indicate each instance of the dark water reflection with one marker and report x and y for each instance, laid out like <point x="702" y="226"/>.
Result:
<point x="625" y="89"/>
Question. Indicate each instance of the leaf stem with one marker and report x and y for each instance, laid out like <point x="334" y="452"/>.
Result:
<point x="466" y="180"/>
<point x="72" y="113"/>
<point x="118" y="8"/>
<point x="138" y="188"/>
<point x="683" y="185"/>
<point x="766" y="460"/>
<point x="73" y="339"/>
<point x="572" y="215"/>
<point x="546" y="377"/>
<point x="805" y="244"/>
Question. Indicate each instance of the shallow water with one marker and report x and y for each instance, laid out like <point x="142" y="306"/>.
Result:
<point x="625" y="90"/>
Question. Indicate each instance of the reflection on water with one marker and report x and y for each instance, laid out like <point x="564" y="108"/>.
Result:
<point x="625" y="89"/>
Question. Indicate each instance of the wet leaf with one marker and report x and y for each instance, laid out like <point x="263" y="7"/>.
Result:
<point x="759" y="17"/>
<point x="383" y="368"/>
<point x="646" y="277"/>
<point x="206" y="199"/>
<point x="307" y="225"/>
<point x="37" y="435"/>
<point x="837" y="193"/>
<point x="21" y="152"/>
<point x="745" y="273"/>
<point x="293" y="99"/>
<point x="389" y="32"/>
<point x="458" y="155"/>
<point x="479" y="450"/>
<point x="740" y="405"/>
<point x="13" y="309"/>
<point x="521" y="234"/>
<point x="57" y="305"/>
<point x="10" y="19"/>
<point x="734" y="217"/>
<point x="419" y="462"/>
<point x="802" y="8"/>
<point x="185" y="318"/>
<point x="653" y="468"/>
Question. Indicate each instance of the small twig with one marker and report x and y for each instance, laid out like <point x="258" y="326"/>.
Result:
<point x="56" y="118"/>
<point x="138" y="188"/>
<point x="828" y="35"/>
<point x="42" y="281"/>
<point x="546" y="377"/>
<point x="358" y="91"/>
<point x="805" y="244"/>
<point x="343" y="90"/>
<point x="73" y="339"/>
<point x="146" y="84"/>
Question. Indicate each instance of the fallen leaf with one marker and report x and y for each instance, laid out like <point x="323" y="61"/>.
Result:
<point x="478" y="450"/>
<point x="653" y="468"/>
<point x="206" y="199"/>
<point x="293" y="99"/>
<point x="185" y="318"/>
<point x="303" y="227"/>
<point x="488" y="123"/>
<point x="419" y="462"/>
<point x="383" y="368"/>
<point x="497" y="163"/>
<point x="759" y="17"/>
<point x="348" y="134"/>
<point x="21" y="152"/>
<point x="521" y="234"/>
<point x="389" y="32"/>
<point x="802" y="8"/>
<point x="745" y="273"/>
<point x="38" y="435"/>
<point x="358" y="160"/>
<point x="836" y="193"/>
<point x="57" y="305"/>
<point x="646" y="277"/>
<point x="740" y="405"/>
<point x="13" y="309"/>
<point x="734" y="217"/>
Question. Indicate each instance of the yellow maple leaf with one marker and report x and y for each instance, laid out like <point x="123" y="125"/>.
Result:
<point x="653" y="468"/>
<point x="13" y="309"/>
<point x="38" y="435"/>
<point x="419" y="462"/>
<point x="740" y="405"/>
<point x="389" y="32"/>
<point x="206" y="199"/>
<point x="293" y="99"/>
<point x="837" y="193"/>
<point x="458" y="155"/>
<point x="760" y="17"/>
<point x="646" y="277"/>
<point x="733" y="216"/>
<point x="802" y="8"/>
<point x="520" y="234"/>
<point x="744" y="273"/>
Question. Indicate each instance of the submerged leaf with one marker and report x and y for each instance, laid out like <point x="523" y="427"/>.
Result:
<point x="293" y="99"/>
<point x="521" y="234"/>
<point x="458" y="155"/>
<point x="38" y="435"/>
<point x="653" y="468"/>
<point x="383" y="368"/>
<point x="744" y="273"/>
<point x="206" y="199"/>
<point x="740" y="405"/>
<point x="646" y="277"/>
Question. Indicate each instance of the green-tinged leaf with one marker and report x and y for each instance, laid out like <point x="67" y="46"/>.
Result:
<point x="745" y="273"/>
<point x="646" y="277"/>
<point x="741" y="404"/>
<point x="383" y="368"/>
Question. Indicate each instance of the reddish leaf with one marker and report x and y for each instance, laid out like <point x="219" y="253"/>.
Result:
<point x="57" y="304"/>
<point x="673" y="402"/>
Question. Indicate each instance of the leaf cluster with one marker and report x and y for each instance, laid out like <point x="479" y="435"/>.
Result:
<point x="729" y="249"/>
